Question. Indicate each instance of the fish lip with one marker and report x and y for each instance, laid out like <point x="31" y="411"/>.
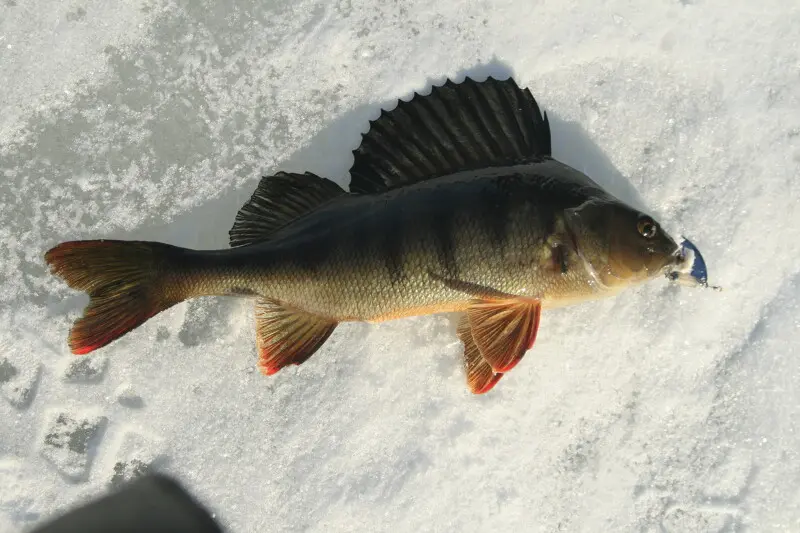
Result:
<point x="678" y="260"/>
<point x="675" y="259"/>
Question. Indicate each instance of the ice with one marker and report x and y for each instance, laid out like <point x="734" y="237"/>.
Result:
<point x="667" y="408"/>
<point x="136" y="455"/>
<point x="18" y="380"/>
<point x="126" y="395"/>
<point x="679" y="520"/>
<point x="70" y="440"/>
<point x="88" y="369"/>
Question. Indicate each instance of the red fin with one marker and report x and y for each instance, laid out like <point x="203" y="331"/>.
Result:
<point x="121" y="278"/>
<point x="287" y="336"/>
<point x="480" y="376"/>
<point x="504" y="330"/>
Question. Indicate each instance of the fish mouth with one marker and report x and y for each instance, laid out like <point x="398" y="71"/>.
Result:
<point x="674" y="262"/>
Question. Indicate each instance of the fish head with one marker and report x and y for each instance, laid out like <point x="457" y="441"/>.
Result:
<point x="620" y="245"/>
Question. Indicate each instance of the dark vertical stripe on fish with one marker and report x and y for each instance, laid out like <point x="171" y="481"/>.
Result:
<point x="390" y="241"/>
<point x="495" y="211"/>
<point x="311" y="256"/>
<point x="441" y="225"/>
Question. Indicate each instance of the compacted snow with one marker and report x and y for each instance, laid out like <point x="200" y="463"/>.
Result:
<point x="664" y="409"/>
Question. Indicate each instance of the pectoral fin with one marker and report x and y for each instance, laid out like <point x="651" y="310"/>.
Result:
<point x="287" y="336"/>
<point x="480" y="376"/>
<point x="504" y="330"/>
<point x="473" y="290"/>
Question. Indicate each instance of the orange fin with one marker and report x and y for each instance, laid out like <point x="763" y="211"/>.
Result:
<point x="480" y="376"/>
<point x="504" y="330"/>
<point x="287" y="336"/>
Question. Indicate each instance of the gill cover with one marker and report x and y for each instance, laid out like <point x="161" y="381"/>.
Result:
<point x="620" y="245"/>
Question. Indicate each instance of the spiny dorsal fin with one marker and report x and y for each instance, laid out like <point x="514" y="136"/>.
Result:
<point x="459" y="126"/>
<point x="278" y="200"/>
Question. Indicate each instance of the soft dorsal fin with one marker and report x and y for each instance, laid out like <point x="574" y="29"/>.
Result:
<point x="458" y="126"/>
<point x="278" y="200"/>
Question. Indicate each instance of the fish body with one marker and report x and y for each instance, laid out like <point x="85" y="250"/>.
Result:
<point x="366" y="257"/>
<point x="456" y="205"/>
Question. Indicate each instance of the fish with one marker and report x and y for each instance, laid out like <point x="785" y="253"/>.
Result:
<point x="455" y="205"/>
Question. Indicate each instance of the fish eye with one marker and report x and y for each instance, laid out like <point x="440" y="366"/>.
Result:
<point x="647" y="227"/>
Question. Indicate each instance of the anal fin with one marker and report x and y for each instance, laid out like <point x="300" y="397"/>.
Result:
<point x="480" y="376"/>
<point x="504" y="330"/>
<point x="287" y="336"/>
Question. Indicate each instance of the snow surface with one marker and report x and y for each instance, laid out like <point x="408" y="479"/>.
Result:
<point x="665" y="409"/>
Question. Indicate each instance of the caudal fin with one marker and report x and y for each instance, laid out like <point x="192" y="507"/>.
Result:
<point x="124" y="280"/>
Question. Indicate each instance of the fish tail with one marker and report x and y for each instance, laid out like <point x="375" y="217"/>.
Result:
<point x="125" y="281"/>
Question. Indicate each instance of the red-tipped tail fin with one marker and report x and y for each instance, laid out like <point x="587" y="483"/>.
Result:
<point x="123" y="280"/>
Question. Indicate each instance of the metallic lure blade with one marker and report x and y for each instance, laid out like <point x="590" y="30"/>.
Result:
<point x="693" y="270"/>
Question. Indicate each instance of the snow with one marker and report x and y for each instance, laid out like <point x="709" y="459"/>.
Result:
<point x="664" y="409"/>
